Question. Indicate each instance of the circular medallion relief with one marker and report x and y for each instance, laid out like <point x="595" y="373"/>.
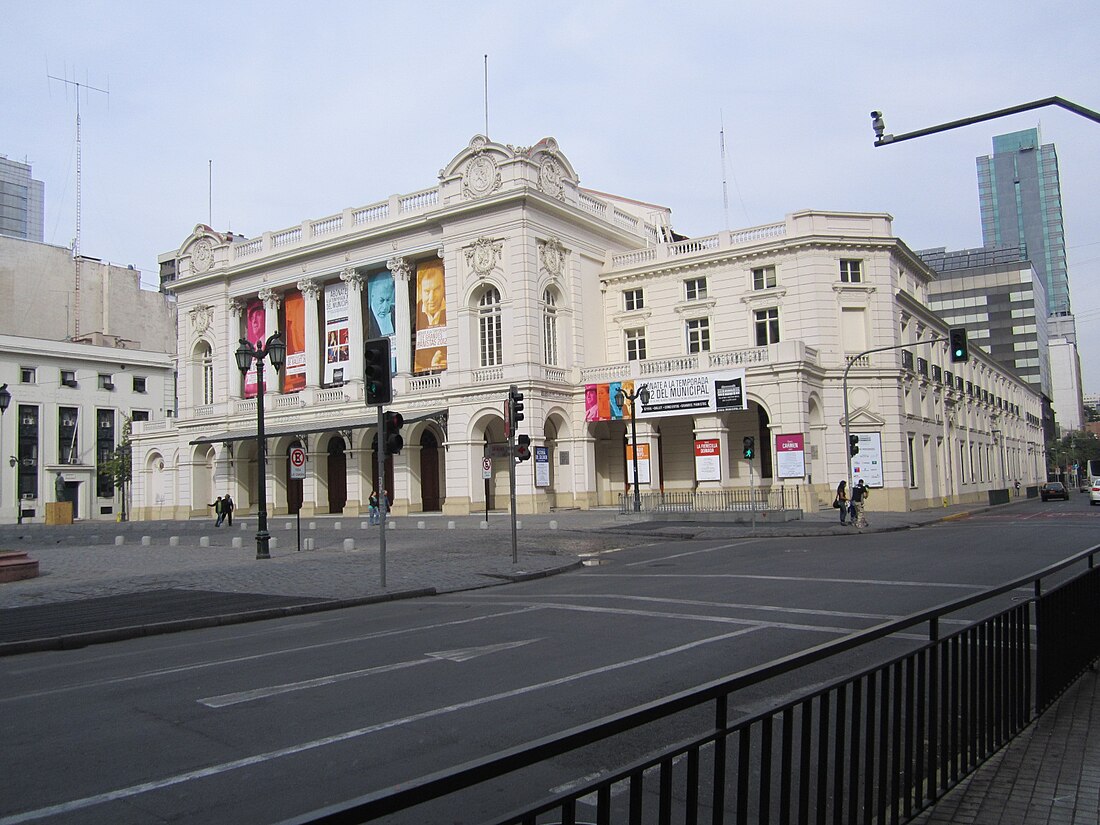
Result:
<point x="480" y="175"/>
<point x="202" y="256"/>
<point x="550" y="174"/>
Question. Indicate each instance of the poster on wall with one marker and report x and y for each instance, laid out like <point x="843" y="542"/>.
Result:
<point x="294" y="373"/>
<point x="867" y="463"/>
<point x="430" y="354"/>
<point x="255" y="330"/>
<point x="711" y="392"/>
<point x="380" y="320"/>
<point x="643" y="463"/>
<point x="790" y="455"/>
<point x="337" y="354"/>
<point x="708" y="459"/>
<point x="542" y="466"/>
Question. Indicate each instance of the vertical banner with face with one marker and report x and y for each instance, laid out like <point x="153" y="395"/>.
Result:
<point x="431" y="318"/>
<point x="337" y="355"/>
<point x="380" y="319"/>
<point x="294" y="375"/>
<point x="255" y="330"/>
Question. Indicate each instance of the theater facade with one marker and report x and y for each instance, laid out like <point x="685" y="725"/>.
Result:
<point x="508" y="272"/>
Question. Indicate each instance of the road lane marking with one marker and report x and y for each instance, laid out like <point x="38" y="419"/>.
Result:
<point x="168" y="671"/>
<point x="812" y="579"/>
<point x="692" y="553"/>
<point x="463" y="655"/>
<point x="345" y="736"/>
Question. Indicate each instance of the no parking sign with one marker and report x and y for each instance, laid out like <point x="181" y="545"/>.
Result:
<point x="297" y="463"/>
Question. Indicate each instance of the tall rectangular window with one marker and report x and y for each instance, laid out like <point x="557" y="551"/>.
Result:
<point x="633" y="299"/>
<point x="695" y="289"/>
<point x="28" y="451"/>
<point x="635" y="345"/>
<point x="851" y="271"/>
<point x="698" y="335"/>
<point x="104" y="446"/>
<point x="767" y="326"/>
<point x="489" y="329"/>
<point x="68" y="447"/>
<point x="763" y="277"/>
<point x="550" y="327"/>
<point x="912" y="463"/>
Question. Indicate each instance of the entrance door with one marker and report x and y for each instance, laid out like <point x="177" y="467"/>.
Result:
<point x="72" y="493"/>
<point x="337" y="476"/>
<point x="429" y="472"/>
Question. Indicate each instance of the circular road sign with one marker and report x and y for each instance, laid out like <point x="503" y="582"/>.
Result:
<point x="297" y="462"/>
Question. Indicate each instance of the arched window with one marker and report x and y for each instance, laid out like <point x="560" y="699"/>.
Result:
<point x="208" y="377"/>
<point x="550" y="327"/>
<point x="489" y="331"/>
<point x="202" y="387"/>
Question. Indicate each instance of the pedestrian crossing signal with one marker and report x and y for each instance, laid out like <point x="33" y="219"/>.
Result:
<point x="959" y="349"/>
<point x="748" y="445"/>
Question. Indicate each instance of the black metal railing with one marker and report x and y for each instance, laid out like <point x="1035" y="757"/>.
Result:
<point x="878" y="746"/>
<point x="740" y="499"/>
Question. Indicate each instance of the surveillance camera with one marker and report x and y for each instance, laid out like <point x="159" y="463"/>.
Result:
<point x="877" y="124"/>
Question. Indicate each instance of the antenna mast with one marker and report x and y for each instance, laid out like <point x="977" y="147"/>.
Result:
<point x="76" y="240"/>
<point x="725" y="190"/>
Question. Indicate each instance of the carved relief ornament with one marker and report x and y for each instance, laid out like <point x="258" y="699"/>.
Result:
<point x="483" y="255"/>
<point x="201" y="318"/>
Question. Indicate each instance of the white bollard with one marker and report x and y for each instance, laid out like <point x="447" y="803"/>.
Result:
<point x="119" y="540"/>
<point x="349" y="544"/>
<point x="450" y="525"/>
<point x="484" y="525"/>
<point x="519" y="524"/>
<point x="336" y="525"/>
<point x="420" y="525"/>
<point x="363" y="525"/>
<point x="289" y="525"/>
<point x="310" y="544"/>
<point x="204" y="541"/>
<point x="313" y="525"/>
<point x="391" y="525"/>
<point x="173" y="541"/>
<point x="272" y="543"/>
<point x="244" y="526"/>
<point x="146" y="541"/>
<point x="238" y="542"/>
<point x="553" y="525"/>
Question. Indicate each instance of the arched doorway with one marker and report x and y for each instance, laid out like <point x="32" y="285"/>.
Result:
<point x="337" y="475"/>
<point x="293" y="485"/>
<point x="429" y="472"/>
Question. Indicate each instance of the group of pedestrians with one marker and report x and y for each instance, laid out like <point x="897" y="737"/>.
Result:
<point x="223" y="509"/>
<point x="852" y="507"/>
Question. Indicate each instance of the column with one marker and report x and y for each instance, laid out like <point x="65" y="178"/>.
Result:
<point x="712" y="427"/>
<point x="271" y="301"/>
<point x="402" y="326"/>
<point x="355" y="281"/>
<point x="649" y="434"/>
<point x="232" y="338"/>
<point x="311" y="293"/>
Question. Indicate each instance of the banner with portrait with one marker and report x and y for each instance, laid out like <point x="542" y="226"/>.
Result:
<point x="380" y="317"/>
<point x="430" y="354"/>
<point x="337" y="354"/>
<point x="294" y="374"/>
<point x="255" y="330"/>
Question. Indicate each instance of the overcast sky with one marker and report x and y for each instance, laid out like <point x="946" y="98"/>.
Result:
<point x="308" y="108"/>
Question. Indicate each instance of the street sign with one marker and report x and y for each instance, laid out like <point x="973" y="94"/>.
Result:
<point x="498" y="450"/>
<point x="486" y="468"/>
<point x="297" y="463"/>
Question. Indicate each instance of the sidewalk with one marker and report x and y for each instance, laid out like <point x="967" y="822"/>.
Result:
<point x="92" y="589"/>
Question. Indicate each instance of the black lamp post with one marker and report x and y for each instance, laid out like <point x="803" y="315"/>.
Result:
<point x="641" y="394"/>
<point x="5" y="399"/>
<point x="275" y="350"/>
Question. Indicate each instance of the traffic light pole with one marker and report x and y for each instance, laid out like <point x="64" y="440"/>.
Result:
<point x="380" y="490"/>
<point x="847" y="427"/>
<point x="512" y="488"/>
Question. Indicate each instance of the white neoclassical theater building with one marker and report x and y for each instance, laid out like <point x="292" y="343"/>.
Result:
<point x="505" y="272"/>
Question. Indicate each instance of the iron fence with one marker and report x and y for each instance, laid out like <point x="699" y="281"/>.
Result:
<point x="876" y="747"/>
<point x="741" y="499"/>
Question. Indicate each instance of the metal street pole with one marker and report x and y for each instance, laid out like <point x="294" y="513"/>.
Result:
<point x="382" y="492"/>
<point x="642" y="394"/>
<point x="263" y="538"/>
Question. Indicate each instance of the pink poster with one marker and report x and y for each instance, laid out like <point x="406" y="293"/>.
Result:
<point x="255" y="321"/>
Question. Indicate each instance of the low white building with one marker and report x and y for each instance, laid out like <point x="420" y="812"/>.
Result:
<point x="507" y="272"/>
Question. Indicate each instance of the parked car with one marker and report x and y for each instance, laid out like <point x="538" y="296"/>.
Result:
<point x="1054" y="489"/>
<point x="1094" y="492"/>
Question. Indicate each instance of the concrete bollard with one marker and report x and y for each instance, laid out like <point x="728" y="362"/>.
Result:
<point x="363" y="525"/>
<point x="553" y="525"/>
<point x="146" y="541"/>
<point x="349" y="544"/>
<point x="310" y="544"/>
<point x="391" y="525"/>
<point x="244" y="526"/>
<point x="313" y="524"/>
<point x="519" y="524"/>
<point x="450" y="525"/>
<point x="484" y="525"/>
<point x="238" y="542"/>
<point x="120" y="540"/>
<point x="289" y="525"/>
<point x="336" y="525"/>
<point x="204" y="541"/>
<point x="272" y="543"/>
<point x="420" y="525"/>
<point x="173" y="541"/>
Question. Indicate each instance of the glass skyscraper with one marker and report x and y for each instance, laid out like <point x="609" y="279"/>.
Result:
<point x="1021" y="204"/>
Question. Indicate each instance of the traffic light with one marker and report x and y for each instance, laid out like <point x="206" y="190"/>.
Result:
<point x="515" y="398"/>
<point x="523" y="447"/>
<point x="959" y="349"/>
<point x="853" y="444"/>
<point x="394" y="441"/>
<point x="748" y="446"/>
<point x="376" y="372"/>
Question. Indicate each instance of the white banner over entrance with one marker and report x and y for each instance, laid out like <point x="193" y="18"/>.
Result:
<point x="693" y="394"/>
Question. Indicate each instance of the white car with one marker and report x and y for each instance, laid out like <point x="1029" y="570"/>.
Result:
<point x="1094" y="492"/>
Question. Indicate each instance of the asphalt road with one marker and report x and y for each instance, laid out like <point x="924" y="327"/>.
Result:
<point x="259" y="722"/>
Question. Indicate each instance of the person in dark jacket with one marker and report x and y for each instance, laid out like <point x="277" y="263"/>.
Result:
<point x="842" y="501"/>
<point x="227" y="508"/>
<point x="860" y="494"/>
<point x="219" y="511"/>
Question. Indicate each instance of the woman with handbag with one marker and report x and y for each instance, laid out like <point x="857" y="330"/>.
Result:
<point x="841" y="501"/>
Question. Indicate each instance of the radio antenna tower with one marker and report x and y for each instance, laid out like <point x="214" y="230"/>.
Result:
<point x="76" y="240"/>
<point x="725" y="190"/>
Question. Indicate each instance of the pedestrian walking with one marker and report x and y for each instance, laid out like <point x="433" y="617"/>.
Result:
<point x="227" y="508"/>
<point x="219" y="511"/>
<point x="1017" y="486"/>
<point x="860" y="494"/>
<point x="372" y="507"/>
<point x="841" y="501"/>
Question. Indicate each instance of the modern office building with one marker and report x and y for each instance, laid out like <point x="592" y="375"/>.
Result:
<point x="71" y="396"/>
<point x="22" y="201"/>
<point x="1020" y="197"/>
<point x="506" y="272"/>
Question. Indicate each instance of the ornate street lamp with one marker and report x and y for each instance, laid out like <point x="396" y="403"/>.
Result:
<point x="275" y="351"/>
<point x="641" y="394"/>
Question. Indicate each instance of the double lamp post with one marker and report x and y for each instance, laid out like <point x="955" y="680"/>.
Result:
<point x="275" y="351"/>
<point x="621" y="396"/>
